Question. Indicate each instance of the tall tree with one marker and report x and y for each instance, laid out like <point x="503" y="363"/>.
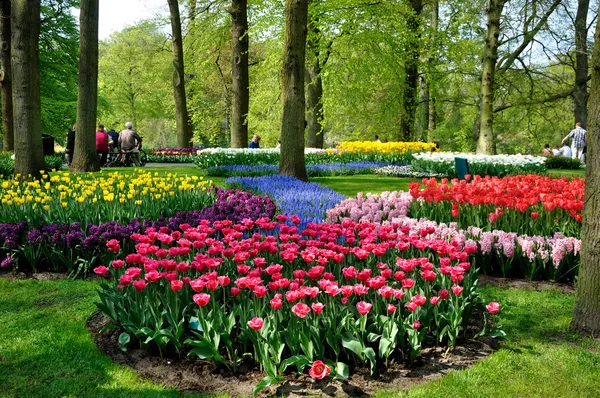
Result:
<point x="485" y="143"/>
<point x="492" y="68"/>
<point x="586" y="315"/>
<point x="85" y="157"/>
<point x="184" y="134"/>
<point x="292" y="161"/>
<point x="314" y="86"/>
<point x="580" y="95"/>
<point x="6" y="77"/>
<point x="239" y="69"/>
<point x="411" y="70"/>
<point x="432" y="116"/>
<point x="25" y="34"/>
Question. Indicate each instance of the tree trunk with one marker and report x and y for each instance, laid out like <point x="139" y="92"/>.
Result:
<point x="424" y="109"/>
<point x="292" y="85"/>
<point x="314" y="86"/>
<point x="239" y="70"/>
<point x="411" y="70"/>
<point x="184" y="135"/>
<point x="485" y="142"/>
<point x="25" y="35"/>
<point x="6" y="78"/>
<point x="433" y="60"/>
<point x="85" y="157"/>
<point x="586" y="316"/>
<point x="580" y="96"/>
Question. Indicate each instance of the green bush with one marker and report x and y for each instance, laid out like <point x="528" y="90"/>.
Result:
<point x="561" y="162"/>
<point x="54" y="162"/>
<point x="7" y="164"/>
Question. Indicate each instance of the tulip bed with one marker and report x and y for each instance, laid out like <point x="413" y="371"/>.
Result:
<point x="75" y="247"/>
<point x="483" y="165"/>
<point x="389" y="153"/>
<point x="526" y="204"/>
<point x="313" y="170"/>
<point x="66" y="198"/>
<point x="173" y="155"/>
<point x="329" y="296"/>
<point x="495" y="252"/>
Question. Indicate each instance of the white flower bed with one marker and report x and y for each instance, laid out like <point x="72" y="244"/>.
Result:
<point x="493" y="165"/>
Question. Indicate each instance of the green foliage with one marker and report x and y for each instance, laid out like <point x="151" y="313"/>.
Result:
<point x="7" y="165"/>
<point x="135" y="83"/>
<point x="561" y="162"/>
<point x="54" y="162"/>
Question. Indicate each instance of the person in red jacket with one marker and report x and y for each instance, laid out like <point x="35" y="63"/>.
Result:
<point x="102" y="144"/>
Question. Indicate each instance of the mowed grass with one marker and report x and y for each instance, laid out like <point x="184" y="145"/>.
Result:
<point x="46" y="351"/>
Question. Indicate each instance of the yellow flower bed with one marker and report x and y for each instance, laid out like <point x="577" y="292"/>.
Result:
<point x="385" y="147"/>
<point x="94" y="198"/>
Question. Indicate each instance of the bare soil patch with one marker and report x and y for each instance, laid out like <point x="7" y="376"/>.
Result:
<point x="525" y="284"/>
<point x="203" y="377"/>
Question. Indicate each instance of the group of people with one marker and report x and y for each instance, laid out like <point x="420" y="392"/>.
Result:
<point x="578" y="147"/>
<point x="126" y="143"/>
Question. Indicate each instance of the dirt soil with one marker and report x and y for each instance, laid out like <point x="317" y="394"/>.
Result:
<point x="202" y="377"/>
<point x="525" y="284"/>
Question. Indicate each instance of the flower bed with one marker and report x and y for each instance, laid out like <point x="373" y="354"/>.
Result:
<point x="337" y="296"/>
<point x="404" y="171"/>
<point x="7" y="163"/>
<point x="497" y="252"/>
<point x="75" y="247"/>
<point x="391" y="153"/>
<point x="526" y="204"/>
<point x="483" y="165"/>
<point x="64" y="198"/>
<point x="307" y="200"/>
<point x="313" y="170"/>
<point x="173" y="155"/>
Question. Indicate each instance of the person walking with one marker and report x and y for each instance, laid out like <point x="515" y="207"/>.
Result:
<point x="130" y="142"/>
<point x="578" y="143"/>
<point x="102" y="144"/>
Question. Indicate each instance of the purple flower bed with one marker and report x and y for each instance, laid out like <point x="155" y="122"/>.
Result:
<point x="313" y="170"/>
<point x="60" y="247"/>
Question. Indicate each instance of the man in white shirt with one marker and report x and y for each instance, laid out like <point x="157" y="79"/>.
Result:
<point x="579" y="135"/>
<point x="565" y="151"/>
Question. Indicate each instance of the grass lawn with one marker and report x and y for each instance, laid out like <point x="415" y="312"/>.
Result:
<point x="559" y="173"/>
<point x="46" y="351"/>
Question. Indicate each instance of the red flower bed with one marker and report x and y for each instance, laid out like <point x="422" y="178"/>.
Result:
<point x="529" y="204"/>
<point x="344" y="294"/>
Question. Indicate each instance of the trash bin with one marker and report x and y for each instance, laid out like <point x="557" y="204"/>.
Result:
<point x="48" y="144"/>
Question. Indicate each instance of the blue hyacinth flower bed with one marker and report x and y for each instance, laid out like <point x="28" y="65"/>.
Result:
<point x="307" y="200"/>
<point x="313" y="170"/>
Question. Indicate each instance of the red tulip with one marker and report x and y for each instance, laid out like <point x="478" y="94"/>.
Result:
<point x="317" y="307"/>
<point x="319" y="370"/>
<point x="457" y="289"/>
<point x="101" y="270"/>
<point x="363" y="307"/>
<point x="176" y="285"/>
<point x="534" y="215"/>
<point x="493" y="307"/>
<point x="416" y="325"/>
<point x="139" y="285"/>
<point x="201" y="299"/>
<point x="301" y="310"/>
<point x="256" y="323"/>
